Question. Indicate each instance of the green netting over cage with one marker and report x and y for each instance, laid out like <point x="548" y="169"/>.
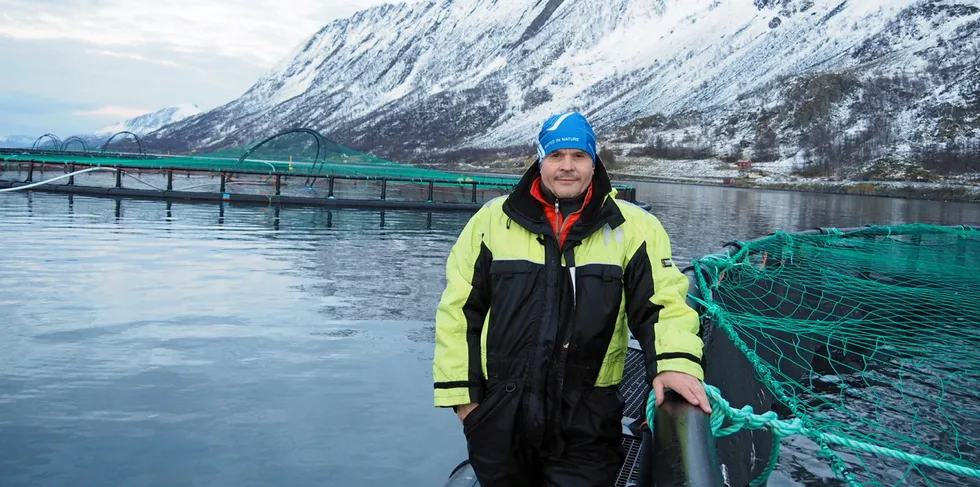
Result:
<point x="301" y="152"/>
<point x="869" y="339"/>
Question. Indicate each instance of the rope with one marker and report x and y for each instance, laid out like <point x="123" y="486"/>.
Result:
<point x="746" y="418"/>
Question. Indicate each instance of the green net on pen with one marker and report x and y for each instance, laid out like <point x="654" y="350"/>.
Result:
<point x="296" y="152"/>
<point x="870" y="338"/>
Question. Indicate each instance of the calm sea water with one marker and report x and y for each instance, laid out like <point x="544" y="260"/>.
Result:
<point x="147" y="344"/>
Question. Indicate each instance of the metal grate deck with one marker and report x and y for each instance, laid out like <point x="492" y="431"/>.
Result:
<point x="631" y="466"/>
<point x="634" y="387"/>
<point x="634" y="390"/>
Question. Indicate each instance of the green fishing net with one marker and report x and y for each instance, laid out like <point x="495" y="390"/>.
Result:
<point x="869" y="339"/>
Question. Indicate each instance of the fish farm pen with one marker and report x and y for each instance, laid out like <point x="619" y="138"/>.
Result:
<point x="863" y="342"/>
<point x="295" y="167"/>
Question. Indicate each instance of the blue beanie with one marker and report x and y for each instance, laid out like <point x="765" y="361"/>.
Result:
<point x="566" y="131"/>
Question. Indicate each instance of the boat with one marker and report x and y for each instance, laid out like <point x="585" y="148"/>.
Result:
<point x="684" y="447"/>
<point x="820" y="333"/>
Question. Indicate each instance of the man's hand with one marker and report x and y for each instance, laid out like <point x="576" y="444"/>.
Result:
<point x="686" y="385"/>
<point x="464" y="410"/>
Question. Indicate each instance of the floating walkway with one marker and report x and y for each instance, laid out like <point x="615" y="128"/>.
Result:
<point x="295" y="167"/>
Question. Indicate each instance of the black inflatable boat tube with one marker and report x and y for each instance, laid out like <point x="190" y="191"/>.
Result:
<point x="683" y="453"/>
<point x="463" y="476"/>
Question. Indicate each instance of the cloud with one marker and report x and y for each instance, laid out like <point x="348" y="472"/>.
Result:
<point x="22" y="101"/>
<point x="23" y="113"/>
<point x="259" y="32"/>
<point x="46" y="80"/>
<point x="63" y="59"/>
<point x="123" y="113"/>
<point x="131" y="56"/>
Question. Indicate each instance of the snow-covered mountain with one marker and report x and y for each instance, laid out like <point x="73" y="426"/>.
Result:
<point x="16" y="141"/>
<point x="821" y="81"/>
<point x="149" y="122"/>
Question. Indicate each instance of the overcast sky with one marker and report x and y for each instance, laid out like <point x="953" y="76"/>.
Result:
<point x="73" y="66"/>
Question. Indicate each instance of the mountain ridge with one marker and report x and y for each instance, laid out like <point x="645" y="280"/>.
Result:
<point x="807" y="80"/>
<point x="149" y="122"/>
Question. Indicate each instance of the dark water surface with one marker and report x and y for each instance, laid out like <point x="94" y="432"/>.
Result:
<point x="147" y="345"/>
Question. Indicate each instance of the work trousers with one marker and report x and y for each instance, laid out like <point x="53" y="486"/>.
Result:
<point x="585" y="451"/>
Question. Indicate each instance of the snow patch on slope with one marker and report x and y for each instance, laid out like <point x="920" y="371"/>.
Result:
<point x="149" y="122"/>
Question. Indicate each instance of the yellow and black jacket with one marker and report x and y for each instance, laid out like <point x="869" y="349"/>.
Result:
<point x="517" y="309"/>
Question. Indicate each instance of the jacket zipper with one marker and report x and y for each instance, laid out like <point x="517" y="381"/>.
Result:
<point x="542" y="357"/>
<point x="561" y="224"/>
<point x="563" y="341"/>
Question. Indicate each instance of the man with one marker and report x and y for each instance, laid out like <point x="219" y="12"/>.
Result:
<point x="543" y="288"/>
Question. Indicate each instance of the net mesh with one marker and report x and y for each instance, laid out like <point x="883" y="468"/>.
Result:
<point x="869" y="335"/>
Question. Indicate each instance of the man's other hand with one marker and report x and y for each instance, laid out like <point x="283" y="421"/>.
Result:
<point x="464" y="410"/>
<point x="686" y="385"/>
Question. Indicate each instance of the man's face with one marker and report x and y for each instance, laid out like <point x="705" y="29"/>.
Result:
<point x="567" y="172"/>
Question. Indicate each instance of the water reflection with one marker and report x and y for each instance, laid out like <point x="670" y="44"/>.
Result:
<point x="701" y="219"/>
<point x="272" y="216"/>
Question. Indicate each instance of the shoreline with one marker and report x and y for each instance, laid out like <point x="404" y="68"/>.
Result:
<point x="945" y="192"/>
<point x="931" y="191"/>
